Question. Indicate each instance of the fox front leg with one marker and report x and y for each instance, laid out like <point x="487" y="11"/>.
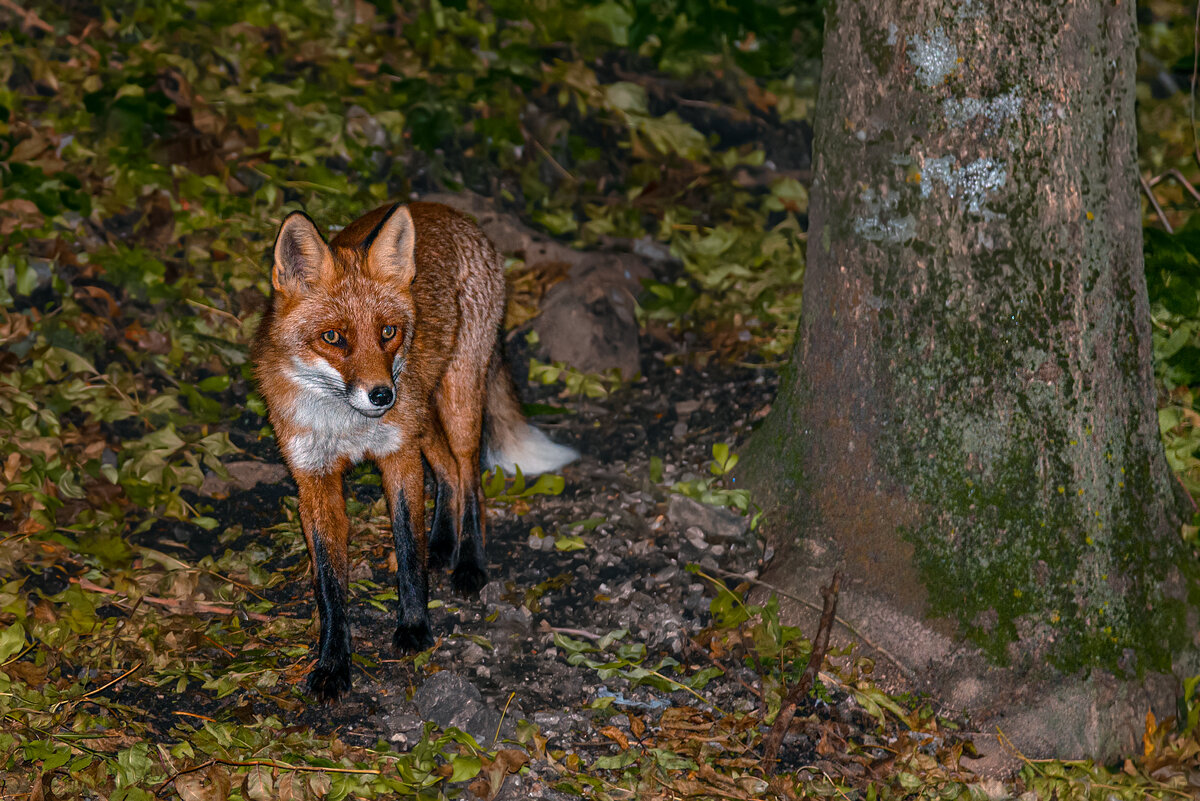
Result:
<point x="404" y="483"/>
<point x="443" y="532"/>
<point x="323" y="516"/>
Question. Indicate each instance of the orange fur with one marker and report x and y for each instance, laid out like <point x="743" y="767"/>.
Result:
<point x="382" y="345"/>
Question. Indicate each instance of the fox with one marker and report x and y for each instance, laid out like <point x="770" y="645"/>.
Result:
<point x="384" y="344"/>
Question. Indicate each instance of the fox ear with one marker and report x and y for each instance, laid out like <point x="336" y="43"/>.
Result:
<point x="391" y="251"/>
<point x="301" y="254"/>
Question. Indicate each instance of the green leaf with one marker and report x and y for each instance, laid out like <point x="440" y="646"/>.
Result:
<point x="567" y="542"/>
<point x="214" y="383"/>
<point x="656" y="470"/>
<point x="12" y="640"/>
<point x="616" y="762"/>
<point x="464" y="766"/>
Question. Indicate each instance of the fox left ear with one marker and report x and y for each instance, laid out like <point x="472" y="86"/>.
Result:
<point x="391" y="252"/>
<point x="301" y="255"/>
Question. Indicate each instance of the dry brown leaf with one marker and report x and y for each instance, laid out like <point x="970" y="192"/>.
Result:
<point x="616" y="735"/>
<point x="28" y="149"/>
<point x="19" y="213"/>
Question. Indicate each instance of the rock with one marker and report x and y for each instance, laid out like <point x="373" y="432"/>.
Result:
<point x="492" y="593"/>
<point x="588" y="320"/>
<point x="448" y="700"/>
<point x="718" y="524"/>
<point x="243" y="476"/>
<point x="473" y="654"/>
<point x="696" y="537"/>
<point x="517" y="620"/>
<point x="397" y="720"/>
<point x="666" y="574"/>
<point x="547" y="718"/>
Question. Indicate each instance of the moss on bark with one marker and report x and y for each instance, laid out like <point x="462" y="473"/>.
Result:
<point x="974" y="355"/>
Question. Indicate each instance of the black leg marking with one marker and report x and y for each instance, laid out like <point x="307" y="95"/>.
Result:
<point x="469" y="574"/>
<point x="412" y="585"/>
<point x="442" y="541"/>
<point x="331" y="677"/>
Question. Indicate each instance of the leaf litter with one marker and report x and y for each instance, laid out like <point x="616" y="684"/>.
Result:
<point x="154" y="592"/>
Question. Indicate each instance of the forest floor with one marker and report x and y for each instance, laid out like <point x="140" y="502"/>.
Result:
<point x="592" y="662"/>
<point x="156" y="611"/>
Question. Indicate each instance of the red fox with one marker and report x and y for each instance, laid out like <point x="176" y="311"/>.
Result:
<point x="383" y="344"/>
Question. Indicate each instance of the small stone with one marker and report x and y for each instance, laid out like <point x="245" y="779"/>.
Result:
<point x="472" y="654"/>
<point x="492" y="593"/>
<point x="517" y="620"/>
<point x="448" y="699"/>
<point x="718" y="524"/>
<point x="547" y="719"/>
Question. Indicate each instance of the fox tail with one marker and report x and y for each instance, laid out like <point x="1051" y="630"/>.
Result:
<point x="510" y="441"/>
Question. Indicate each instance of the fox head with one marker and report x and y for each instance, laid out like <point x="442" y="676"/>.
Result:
<point x="345" y="314"/>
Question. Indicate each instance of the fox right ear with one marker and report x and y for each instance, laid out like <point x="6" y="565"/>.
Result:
<point x="391" y="252"/>
<point x="301" y="254"/>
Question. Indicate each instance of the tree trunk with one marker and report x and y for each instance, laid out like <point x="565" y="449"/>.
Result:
<point x="969" y="424"/>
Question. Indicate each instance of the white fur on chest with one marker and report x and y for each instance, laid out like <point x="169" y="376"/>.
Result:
<point x="328" y="428"/>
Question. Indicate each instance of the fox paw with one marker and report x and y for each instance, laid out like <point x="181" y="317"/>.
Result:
<point x="408" y="639"/>
<point x="329" y="682"/>
<point x="468" y="579"/>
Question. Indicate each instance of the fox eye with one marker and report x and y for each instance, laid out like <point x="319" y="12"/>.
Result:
<point x="388" y="331"/>
<point x="332" y="337"/>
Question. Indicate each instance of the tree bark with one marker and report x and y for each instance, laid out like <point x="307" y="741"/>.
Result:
<point x="969" y="426"/>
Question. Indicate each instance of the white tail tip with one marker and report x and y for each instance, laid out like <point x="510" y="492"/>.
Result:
<point x="532" y="451"/>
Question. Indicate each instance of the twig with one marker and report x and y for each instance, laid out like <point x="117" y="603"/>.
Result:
<point x="563" y="171"/>
<point x="212" y="309"/>
<point x="704" y="652"/>
<point x="234" y="583"/>
<point x="103" y="687"/>
<point x="222" y="647"/>
<point x="1195" y="66"/>
<point x="841" y="621"/>
<point x="30" y="18"/>
<point x="688" y="689"/>
<point x="587" y="635"/>
<point x="1154" y="202"/>
<point x="820" y="646"/>
<point x="1178" y="176"/>
<point x="173" y="603"/>
<point x="1008" y="744"/>
<point x="71" y="704"/>
<point x="503" y="712"/>
<point x="828" y="778"/>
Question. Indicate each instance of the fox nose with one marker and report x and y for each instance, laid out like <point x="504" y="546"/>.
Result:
<point x="380" y="396"/>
